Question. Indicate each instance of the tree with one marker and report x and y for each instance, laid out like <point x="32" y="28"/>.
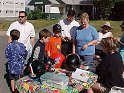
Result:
<point x="105" y="7"/>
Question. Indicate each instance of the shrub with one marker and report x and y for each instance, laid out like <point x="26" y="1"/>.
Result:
<point x="36" y="14"/>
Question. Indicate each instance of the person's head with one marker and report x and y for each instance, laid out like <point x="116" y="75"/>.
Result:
<point x="70" y="15"/>
<point x="109" y="45"/>
<point x="22" y="17"/>
<point x="84" y="19"/>
<point x="15" y="34"/>
<point x="107" y="27"/>
<point x="57" y="30"/>
<point x="44" y="35"/>
<point x="122" y="26"/>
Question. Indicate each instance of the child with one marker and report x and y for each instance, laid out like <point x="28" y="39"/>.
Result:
<point x="54" y="45"/>
<point x="110" y="70"/>
<point x="16" y="54"/>
<point x="121" y="42"/>
<point x="39" y="48"/>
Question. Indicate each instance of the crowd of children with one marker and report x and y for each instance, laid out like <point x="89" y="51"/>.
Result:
<point x="110" y="60"/>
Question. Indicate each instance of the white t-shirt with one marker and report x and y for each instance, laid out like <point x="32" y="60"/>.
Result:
<point x="26" y="31"/>
<point x="68" y="28"/>
<point x="101" y="36"/>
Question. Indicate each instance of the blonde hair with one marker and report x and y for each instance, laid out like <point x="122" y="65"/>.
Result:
<point x="84" y="16"/>
<point x="110" y="44"/>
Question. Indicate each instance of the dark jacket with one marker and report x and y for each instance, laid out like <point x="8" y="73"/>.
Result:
<point x="42" y="49"/>
<point x="110" y="70"/>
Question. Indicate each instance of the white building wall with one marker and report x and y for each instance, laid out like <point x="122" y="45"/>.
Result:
<point x="51" y="9"/>
<point x="11" y="8"/>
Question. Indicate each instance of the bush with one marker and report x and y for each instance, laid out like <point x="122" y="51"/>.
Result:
<point x="36" y="14"/>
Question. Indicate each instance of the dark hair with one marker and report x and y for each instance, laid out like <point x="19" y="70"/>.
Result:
<point x="15" y="34"/>
<point x="23" y="12"/>
<point x="57" y="28"/>
<point x="44" y="33"/>
<point x="71" y="13"/>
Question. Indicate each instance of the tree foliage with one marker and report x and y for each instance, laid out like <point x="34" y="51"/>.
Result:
<point x="105" y="6"/>
<point x="36" y="14"/>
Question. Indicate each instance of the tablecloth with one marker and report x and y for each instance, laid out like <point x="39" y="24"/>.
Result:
<point x="29" y="85"/>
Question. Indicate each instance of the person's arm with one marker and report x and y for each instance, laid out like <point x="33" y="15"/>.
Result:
<point x="8" y="32"/>
<point x="32" y="41"/>
<point x="89" y="44"/>
<point x="111" y="35"/>
<point x="73" y="47"/>
<point x="36" y="53"/>
<point x="94" y="41"/>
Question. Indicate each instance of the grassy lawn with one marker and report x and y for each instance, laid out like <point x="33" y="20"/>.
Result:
<point x="37" y="24"/>
<point x="43" y="23"/>
<point x="115" y="24"/>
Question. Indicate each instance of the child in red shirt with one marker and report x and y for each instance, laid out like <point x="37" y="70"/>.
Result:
<point x="54" y="44"/>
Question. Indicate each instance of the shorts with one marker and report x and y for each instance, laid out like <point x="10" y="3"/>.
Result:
<point x="14" y="76"/>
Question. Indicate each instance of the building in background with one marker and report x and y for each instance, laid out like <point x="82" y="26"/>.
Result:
<point x="55" y="9"/>
<point x="11" y="8"/>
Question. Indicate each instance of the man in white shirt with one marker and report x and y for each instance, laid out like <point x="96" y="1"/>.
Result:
<point x="69" y="26"/>
<point x="27" y="33"/>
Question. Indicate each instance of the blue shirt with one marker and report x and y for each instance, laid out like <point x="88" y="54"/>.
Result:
<point x="84" y="36"/>
<point x="16" y="55"/>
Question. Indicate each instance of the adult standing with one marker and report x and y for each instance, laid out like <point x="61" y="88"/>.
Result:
<point x="84" y="41"/>
<point x="27" y="33"/>
<point x="68" y="25"/>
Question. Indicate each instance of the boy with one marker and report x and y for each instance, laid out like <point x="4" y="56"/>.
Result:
<point x="39" y="48"/>
<point x="16" y="54"/>
<point x="54" y="45"/>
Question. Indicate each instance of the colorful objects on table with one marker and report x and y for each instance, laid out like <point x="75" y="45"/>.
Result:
<point x="59" y="59"/>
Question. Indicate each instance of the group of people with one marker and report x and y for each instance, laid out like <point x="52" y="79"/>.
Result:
<point x="68" y="37"/>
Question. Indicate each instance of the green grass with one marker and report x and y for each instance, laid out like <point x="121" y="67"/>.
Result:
<point x="43" y="23"/>
<point x="116" y="31"/>
<point x="37" y="24"/>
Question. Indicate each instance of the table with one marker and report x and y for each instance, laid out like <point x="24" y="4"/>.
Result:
<point x="28" y="85"/>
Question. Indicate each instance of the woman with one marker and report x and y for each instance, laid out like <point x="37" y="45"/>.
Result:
<point x="110" y="70"/>
<point x="84" y="41"/>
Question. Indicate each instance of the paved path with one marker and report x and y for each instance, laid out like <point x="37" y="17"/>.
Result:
<point x="3" y="81"/>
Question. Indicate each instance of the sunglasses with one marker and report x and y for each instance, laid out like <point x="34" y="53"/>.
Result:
<point x="21" y="16"/>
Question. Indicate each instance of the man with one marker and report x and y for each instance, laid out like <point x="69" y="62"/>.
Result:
<point x="27" y="33"/>
<point x="69" y="26"/>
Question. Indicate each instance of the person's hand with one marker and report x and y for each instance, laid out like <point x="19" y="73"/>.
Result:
<point x="84" y="47"/>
